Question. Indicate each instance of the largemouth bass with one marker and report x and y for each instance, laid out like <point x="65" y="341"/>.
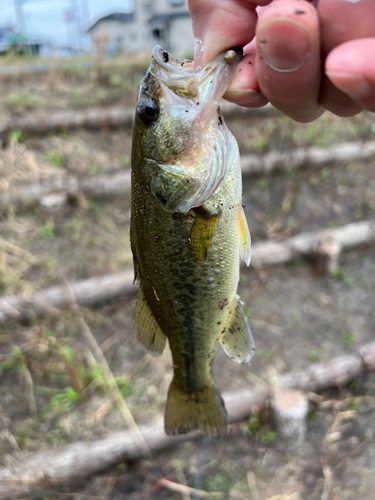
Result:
<point x="188" y="231"/>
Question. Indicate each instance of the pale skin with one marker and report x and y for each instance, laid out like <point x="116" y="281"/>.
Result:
<point x="306" y="57"/>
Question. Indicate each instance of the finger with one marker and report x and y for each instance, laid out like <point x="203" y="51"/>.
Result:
<point x="222" y="24"/>
<point x="244" y="88"/>
<point x="288" y="65"/>
<point x="351" y="68"/>
<point x="354" y="19"/>
<point x="344" y="20"/>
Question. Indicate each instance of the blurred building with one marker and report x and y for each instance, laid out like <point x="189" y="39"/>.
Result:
<point x="12" y="40"/>
<point x="163" y="22"/>
<point x="6" y="33"/>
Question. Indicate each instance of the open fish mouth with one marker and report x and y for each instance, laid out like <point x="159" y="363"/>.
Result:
<point x="186" y="181"/>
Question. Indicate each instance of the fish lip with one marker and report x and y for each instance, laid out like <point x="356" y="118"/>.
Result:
<point x="172" y="64"/>
<point x="180" y="68"/>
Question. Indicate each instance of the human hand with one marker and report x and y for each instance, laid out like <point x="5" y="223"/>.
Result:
<point x="303" y="60"/>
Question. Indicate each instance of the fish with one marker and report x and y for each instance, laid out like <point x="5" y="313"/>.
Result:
<point x="188" y="232"/>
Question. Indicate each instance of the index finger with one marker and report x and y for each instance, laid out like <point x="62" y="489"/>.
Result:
<point x="222" y="24"/>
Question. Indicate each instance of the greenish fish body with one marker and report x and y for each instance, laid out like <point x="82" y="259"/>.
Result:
<point x="188" y="231"/>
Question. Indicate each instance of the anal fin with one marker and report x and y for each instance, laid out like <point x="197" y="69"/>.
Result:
<point x="236" y="338"/>
<point x="245" y="239"/>
<point x="147" y="329"/>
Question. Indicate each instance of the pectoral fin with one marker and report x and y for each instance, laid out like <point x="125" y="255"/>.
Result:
<point x="172" y="187"/>
<point x="147" y="329"/>
<point x="202" y="232"/>
<point x="236" y="338"/>
<point x="245" y="239"/>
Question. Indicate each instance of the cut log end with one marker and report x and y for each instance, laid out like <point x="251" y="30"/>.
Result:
<point x="290" y="409"/>
<point x="367" y="353"/>
<point x="327" y="256"/>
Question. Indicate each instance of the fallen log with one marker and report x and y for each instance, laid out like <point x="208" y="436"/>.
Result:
<point x="80" y="460"/>
<point x="111" y="117"/>
<point x="299" y="157"/>
<point x="111" y="286"/>
<point x="55" y="194"/>
<point x="95" y="118"/>
<point x="87" y="293"/>
<point x="311" y="244"/>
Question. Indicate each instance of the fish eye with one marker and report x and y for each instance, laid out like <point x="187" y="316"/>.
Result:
<point x="148" y="111"/>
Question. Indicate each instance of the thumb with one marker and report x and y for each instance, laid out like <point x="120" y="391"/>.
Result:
<point x="222" y="24"/>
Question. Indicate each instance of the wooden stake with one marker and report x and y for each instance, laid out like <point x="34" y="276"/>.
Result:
<point x="290" y="408"/>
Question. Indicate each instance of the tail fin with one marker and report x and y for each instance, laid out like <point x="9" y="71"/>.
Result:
<point x="202" y="409"/>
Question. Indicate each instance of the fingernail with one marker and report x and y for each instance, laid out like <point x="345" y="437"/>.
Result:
<point x="243" y="96"/>
<point x="356" y="86"/>
<point x="284" y="45"/>
<point x="240" y="91"/>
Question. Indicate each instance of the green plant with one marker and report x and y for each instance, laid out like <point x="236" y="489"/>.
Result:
<point x="102" y="94"/>
<point x="353" y="405"/>
<point x="262" y="183"/>
<point x="268" y="437"/>
<point x="219" y="483"/>
<point x="57" y="159"/>
<point x="248" y="313"/>
<point x="15" y="361"/>
<point x="124" y="160"/>
<point x="115" y="80"/>
<point x="338" y="273"/>
<point x="50" y="263"/>
<point x="348" y="338"/>
<point x="63" y="401"/>
<point x="67" y="354"/>
<point x="20" y="102"/>
<point x="314" y="356"/>
<point x="77" y="71"/>
<point x="73" y="228"/>
<point x="262" y="144"/>
<point x="354" y="385"/>
<point x="254" y="424"/>
<point x="25" y="432"/>
<point x="16" y="135"/>
<point x="312" y="415"/>
<point x="124" y="385"/>
<point x="94" y="169"/>
<point x="348" y="280"/>
<point x="46" y="230"/>
<point x="122" y="468"/>
<point x="324" y="174"/>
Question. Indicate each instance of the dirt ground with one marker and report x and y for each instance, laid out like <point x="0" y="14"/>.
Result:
<point x="52" y="392"/>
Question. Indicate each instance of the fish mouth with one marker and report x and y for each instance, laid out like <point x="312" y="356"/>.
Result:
<point x="175" y="73"/>
<point x="199" y="170"/>
<point x="210" y="83"/>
